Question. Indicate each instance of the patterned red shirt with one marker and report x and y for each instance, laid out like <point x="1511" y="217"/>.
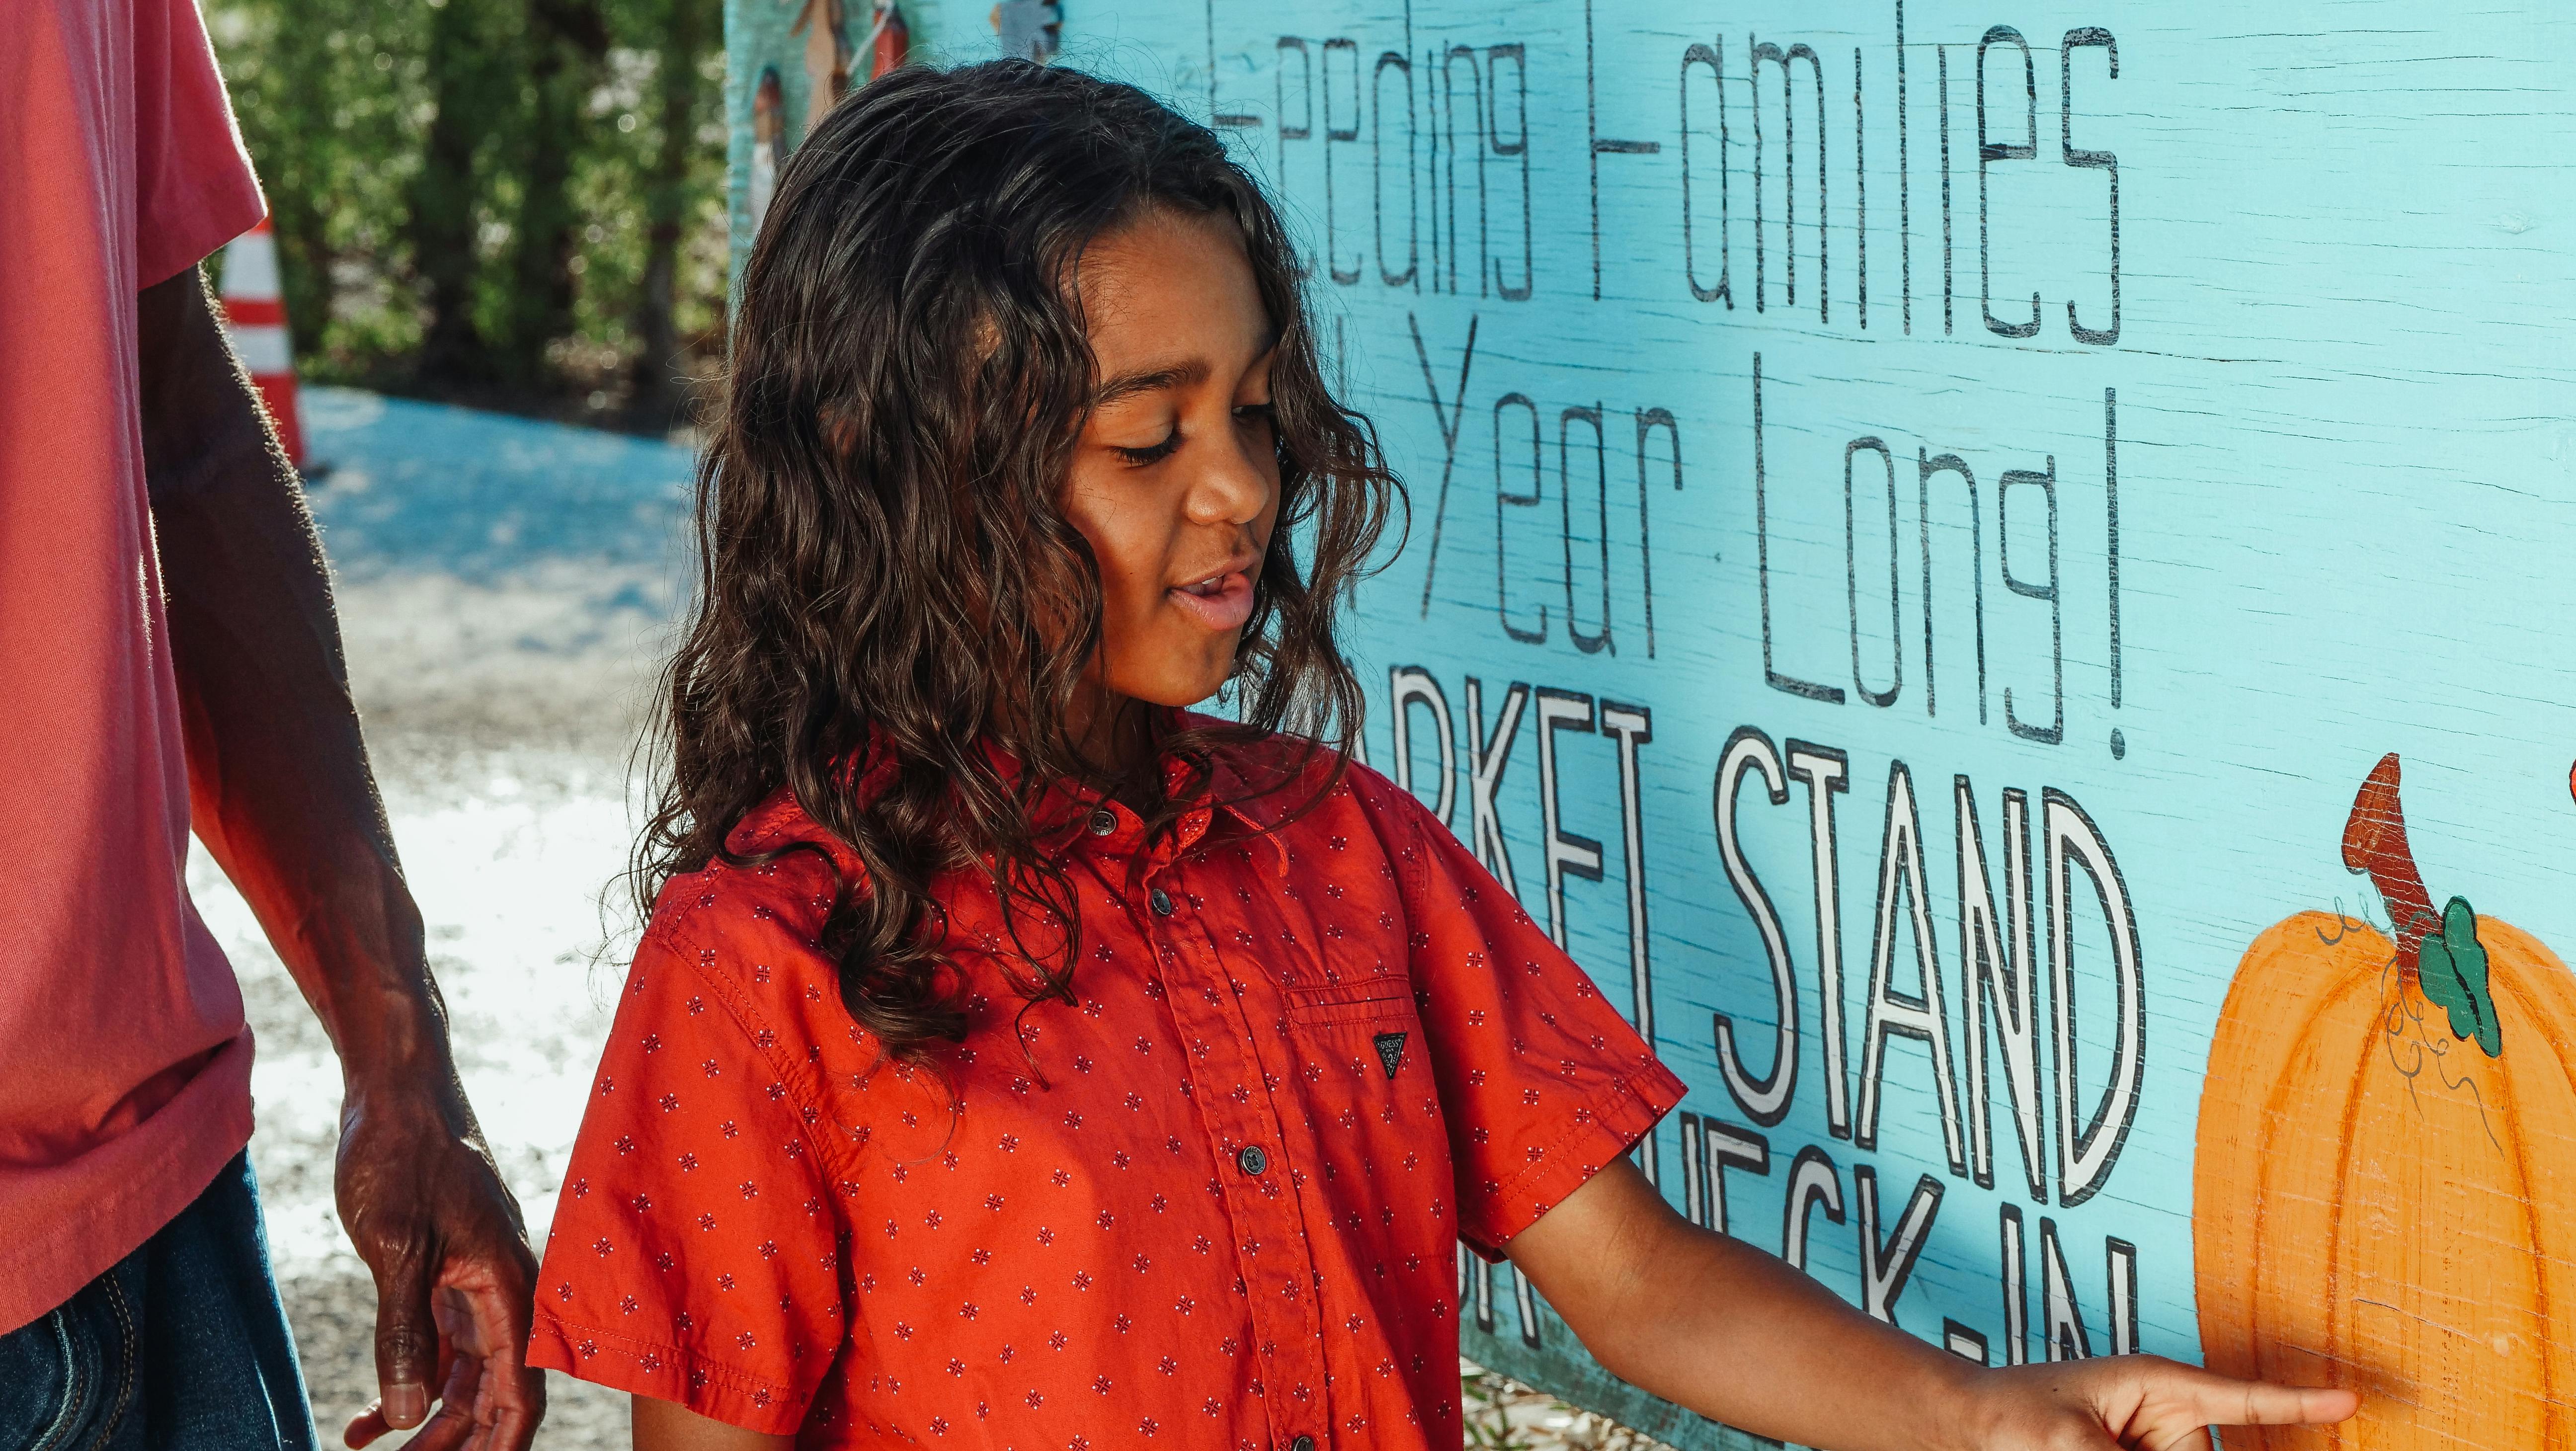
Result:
<point x="1217" y="1203"/>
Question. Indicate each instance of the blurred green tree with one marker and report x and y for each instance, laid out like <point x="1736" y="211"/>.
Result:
<point x="509" y="202"/>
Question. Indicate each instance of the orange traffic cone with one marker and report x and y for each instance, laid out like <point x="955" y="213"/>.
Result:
<point x="255" y="320"/>
<point x="890" y="42"/>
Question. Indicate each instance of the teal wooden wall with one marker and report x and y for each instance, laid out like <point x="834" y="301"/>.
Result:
<point x="2123" y="422"/>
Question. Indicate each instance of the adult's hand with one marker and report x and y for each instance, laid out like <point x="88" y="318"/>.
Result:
<point x="454" y="1280"/>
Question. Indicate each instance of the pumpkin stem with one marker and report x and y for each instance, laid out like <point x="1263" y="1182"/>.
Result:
<point x="2374" y="842"/>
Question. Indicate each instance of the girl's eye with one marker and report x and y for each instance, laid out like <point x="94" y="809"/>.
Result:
<point x="1256" y="413"/>
<point x="1151" y="453"/>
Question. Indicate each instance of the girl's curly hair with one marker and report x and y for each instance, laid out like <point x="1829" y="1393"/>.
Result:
<point x="879" y="538"/>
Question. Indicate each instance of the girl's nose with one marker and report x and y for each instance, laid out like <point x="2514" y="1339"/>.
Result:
<point x="1234" y="488"/>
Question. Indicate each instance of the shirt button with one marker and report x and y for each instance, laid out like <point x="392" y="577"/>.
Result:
<point x="1103" y="822"/>
<point x="1302" y="1443"/>
<point x="1162" y="903"/>
<point x="1252" y="1160"/>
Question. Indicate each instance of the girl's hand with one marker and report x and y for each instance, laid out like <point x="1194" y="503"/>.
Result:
<point x="2132" y="1401"/>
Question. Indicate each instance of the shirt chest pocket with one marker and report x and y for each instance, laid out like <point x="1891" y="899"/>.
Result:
<point x="1385" y="1002"/>
<point x="1362" y="1034"/>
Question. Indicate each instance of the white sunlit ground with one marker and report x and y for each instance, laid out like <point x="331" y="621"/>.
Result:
<point x="506" y="589"/>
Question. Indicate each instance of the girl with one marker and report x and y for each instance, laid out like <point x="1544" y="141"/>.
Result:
<point x="1015" y="1060"/>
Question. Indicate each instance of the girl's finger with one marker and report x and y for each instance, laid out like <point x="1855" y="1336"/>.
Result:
<point x="2221" y="1401"/>
<point x="2195" y="1439"/>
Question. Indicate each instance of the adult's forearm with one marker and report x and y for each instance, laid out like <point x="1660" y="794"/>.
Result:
<point x="279" y="784"/>
<point x="282" y="796"/>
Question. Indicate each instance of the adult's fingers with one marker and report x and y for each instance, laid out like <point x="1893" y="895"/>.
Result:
<point x="406" y="1333"/>
<point x="451" y="1428"/>
<point x="370" y="1425"/>
<point x="513" y="1428"/>
<point x="512" y="1396"/>
<point x="456" y="1387"/>
<point x="455" y="1424"/>
<point x="461" y="1412"/>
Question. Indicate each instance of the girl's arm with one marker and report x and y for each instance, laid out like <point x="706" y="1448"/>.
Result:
<point x="662" y="1426"/>
<point x="1735" y="1334"/>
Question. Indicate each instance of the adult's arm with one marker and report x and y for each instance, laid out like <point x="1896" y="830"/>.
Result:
<point x="1722" y="1328"/>
<point x="281" y="794"/>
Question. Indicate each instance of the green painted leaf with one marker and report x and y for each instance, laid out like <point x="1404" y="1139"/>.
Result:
<point x="2452" y="967"/>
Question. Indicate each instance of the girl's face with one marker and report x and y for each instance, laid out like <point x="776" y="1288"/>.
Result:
<point x="1175" y="479"/>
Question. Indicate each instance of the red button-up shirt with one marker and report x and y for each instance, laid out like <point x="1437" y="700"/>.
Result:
<point x="1216" y="1203"/>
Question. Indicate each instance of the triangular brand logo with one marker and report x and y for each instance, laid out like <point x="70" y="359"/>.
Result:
<point x="1390" y="1051"/>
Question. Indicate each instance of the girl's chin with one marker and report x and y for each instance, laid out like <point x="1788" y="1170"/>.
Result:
<point x="1179" y="686"/>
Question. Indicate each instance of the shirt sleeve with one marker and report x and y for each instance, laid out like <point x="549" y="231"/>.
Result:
<point x="694" y="1256"/>
<point x="1541" y="1080"/>
<point x="194" y="189"/>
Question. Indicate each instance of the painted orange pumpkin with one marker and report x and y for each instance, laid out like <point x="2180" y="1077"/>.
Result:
<point x="2384" y="1193"/>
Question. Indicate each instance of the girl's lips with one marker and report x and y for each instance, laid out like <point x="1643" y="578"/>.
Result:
<point x="1225" y="606"/>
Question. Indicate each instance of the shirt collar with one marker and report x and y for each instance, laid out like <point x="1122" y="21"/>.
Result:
<point x="1257" y="784"/>
<point x="1252" y="784"/>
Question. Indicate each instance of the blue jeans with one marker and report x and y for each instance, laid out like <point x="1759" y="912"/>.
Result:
<point x="182" y="1346"/>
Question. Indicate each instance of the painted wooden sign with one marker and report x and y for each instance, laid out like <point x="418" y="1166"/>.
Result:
<point x="1938" y="530"/>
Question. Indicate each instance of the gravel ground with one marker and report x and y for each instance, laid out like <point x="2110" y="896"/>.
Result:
<point x="505" y="588"/>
